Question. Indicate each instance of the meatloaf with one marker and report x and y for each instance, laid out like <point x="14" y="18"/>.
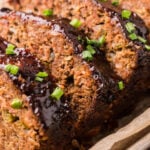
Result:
<point x="128" y="58"/>
<point x="141" y="7"/>
<point x="91" y="93"/>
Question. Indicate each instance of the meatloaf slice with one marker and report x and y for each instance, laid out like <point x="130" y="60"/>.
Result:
<point x="128" y="58"/>
<point x="26" y="109"/>
<point x="141" y="7"/>
<point x="90" y="87"/>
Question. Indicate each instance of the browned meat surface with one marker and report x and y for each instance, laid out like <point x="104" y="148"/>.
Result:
<point x="141" y="7"/>
<point x="99" y="18"/>
<point x="91" y="88"/>
<point x="18" y="127"/>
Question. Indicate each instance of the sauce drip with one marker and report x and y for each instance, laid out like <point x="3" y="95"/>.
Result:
<point x="49" y="110"/>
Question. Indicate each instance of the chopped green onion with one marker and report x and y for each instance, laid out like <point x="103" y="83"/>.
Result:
<point x="120" y="85"/>
<point x="16" y="103"/>
<point x="115" y="2"/>
<point x="126" y="14"/>
<point x="91" y="49"/>
<point x="99" y="42"/>
<point x="141" y="39"/>
<point x="42" y="74"/>
<point x="92" y="42"/>
<point x="12" y="69"/>
<point x="102" y="40"/>
<point x="130" y="27"/>
<point x="38" y="79"/>
<point x="48" y="12"/>
<point x="133" y="36"/>
<point x="87" y="55"/>
<point x="8" y="67"/>
<point x="147" y="47"/>
<point x="57" y="93"/>
<point x="76" y="23"/>
<point x="10" y="49"/>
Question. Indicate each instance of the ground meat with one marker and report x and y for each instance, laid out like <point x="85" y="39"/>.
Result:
<point x="141" y="7"/>
<point x="90" y="88"/>
<point x="17" y="125"/>
<point x="122" y="53"/>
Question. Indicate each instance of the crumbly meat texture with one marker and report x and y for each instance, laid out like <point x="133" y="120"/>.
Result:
<point x="141" y="7"/>
<point x="92" y="87"/>
<point x="122" y="53"/>
<point x="19" y="126"/>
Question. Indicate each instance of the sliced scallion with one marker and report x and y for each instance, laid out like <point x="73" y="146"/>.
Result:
<point x="102" y="40"/>
<point x="12" y="69"/>
<point x="133" y="36"/>
<point x="115" y="2"/>
<point x="48" y="12"/>
<point x="120" y="85"/>
<point x="147" y="47"/>
<point x="99" y="42"/>
<point x="141" y="39"/>
<point x="130" y="27"/>
<point x="57" y="93"/>
<point x="76" y="23"/>
<point x="8" y="67"/>
<point x="42" y="74"/>
<point x="87" y="55"/>
<point x="16" y="103"/>
<point x="10" y="49"/>
<point x="91" y="49"/>
<point x="126" y="14"/>
<point x="39" y="79"/>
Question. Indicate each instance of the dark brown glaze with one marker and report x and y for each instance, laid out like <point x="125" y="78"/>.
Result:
<point x="115" y="13"/>
<point x="58" y="24"/>
<point x="46" y="108"/>
<point x="100" y="68"/>
<point x="101" y="107"/>
<point x="141" y="76"/>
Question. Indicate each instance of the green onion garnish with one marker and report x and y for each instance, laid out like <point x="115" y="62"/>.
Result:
<point x="10" y="49"/>
<point x="39" y="79"/>
<point x="141" y="39"/>
<point x="102" y="40"/>
<point x="120" y="85"/>
<point x="76" y="23"/>
<point x="91" y="49"/>
<point x="87" y="55"/>
<point x="48" y="12"/>
<point x="130" y="27"/>
<point x="8" y="67"/>
<point x="115" y="2"/>
<point x="16" y="103"/>
<point x="12" y="69"/>
<point x="42" y="74"/>
<point x="147" y="47"/>
<point x="57" y="93"/>
<point x="133" y="36"/>
<point x="126" y="14"/>
<point x="99" y="42"/>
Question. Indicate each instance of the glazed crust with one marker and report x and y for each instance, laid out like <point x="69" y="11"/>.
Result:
<point x="122" y="53"/>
